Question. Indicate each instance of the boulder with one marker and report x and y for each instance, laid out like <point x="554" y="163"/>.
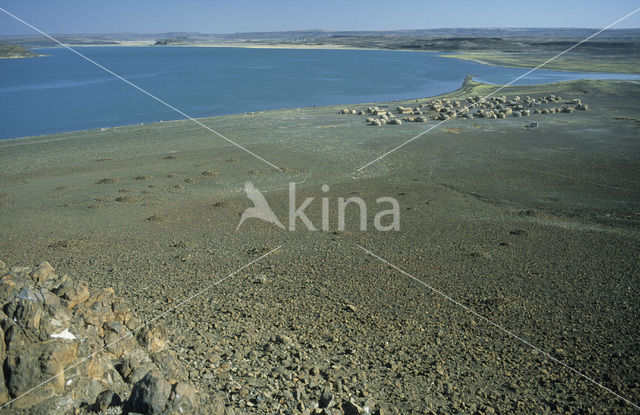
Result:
<point x="150" y="394"/>
<point x="350" y="408"/>
<point x="105" y="400"/>
<point x="42" y="273"/>
<point x="74" y="293"/>
<point x="183" y="398"/>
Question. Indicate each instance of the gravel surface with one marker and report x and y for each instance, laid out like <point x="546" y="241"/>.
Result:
<point x="536" y="230"/>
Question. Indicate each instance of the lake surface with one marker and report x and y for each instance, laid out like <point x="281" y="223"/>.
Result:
<point x="63" y="92"/>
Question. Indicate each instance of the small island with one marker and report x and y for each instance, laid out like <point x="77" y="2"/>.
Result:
<point x="15" y="52"/>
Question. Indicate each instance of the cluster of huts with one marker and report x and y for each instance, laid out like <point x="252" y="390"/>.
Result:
<point x="473" y="107"/>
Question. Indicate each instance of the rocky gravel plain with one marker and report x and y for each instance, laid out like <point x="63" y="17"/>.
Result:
<point x="536" y="230"/>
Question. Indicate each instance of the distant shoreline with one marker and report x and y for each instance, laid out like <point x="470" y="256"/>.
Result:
<point x="145" y="43"/>
<point x="488" y="58"/>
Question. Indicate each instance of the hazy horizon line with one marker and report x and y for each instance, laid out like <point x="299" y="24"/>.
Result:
<point x="330" y="31"/>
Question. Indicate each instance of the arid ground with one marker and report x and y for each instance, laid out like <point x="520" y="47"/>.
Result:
<point x="535" y="229"/>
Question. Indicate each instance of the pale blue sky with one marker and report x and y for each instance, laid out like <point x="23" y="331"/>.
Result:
<point x="207" y="16"/>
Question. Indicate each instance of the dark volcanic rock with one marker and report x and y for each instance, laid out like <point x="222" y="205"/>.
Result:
<point x="326" y="399"/>
<point x="150" y="394"/>
<point x="349" y="408"/>
<point x="105" y="400"/>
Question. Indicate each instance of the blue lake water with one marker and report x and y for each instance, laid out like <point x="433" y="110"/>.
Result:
<point x="63" y="92"/>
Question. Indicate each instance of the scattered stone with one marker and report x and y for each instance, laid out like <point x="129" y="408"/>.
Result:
<point x="158" y="218"/>
<point x="109" y="180"/>
<point x="260" y="279"/>
<point x="326" y="398"/>
<point x="284" y="340"/>
<point x="176" y="189"/>
<point x="63" y="243"/>
<point x="127" y="199"/>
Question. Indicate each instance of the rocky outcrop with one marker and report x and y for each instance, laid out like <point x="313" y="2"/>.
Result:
<point x="68" y="348"/>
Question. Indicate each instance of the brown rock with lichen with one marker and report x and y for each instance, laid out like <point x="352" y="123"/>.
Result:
<point x="152" y="339"/>
<point x="42" y="273"/>
<point x="49" y="324"/>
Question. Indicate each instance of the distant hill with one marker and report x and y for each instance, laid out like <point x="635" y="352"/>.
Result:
<point x="180" y="40"/>
<point x="315" y="36"/>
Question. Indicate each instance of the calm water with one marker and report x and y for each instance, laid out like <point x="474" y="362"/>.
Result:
<point x="62" y="92"/>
